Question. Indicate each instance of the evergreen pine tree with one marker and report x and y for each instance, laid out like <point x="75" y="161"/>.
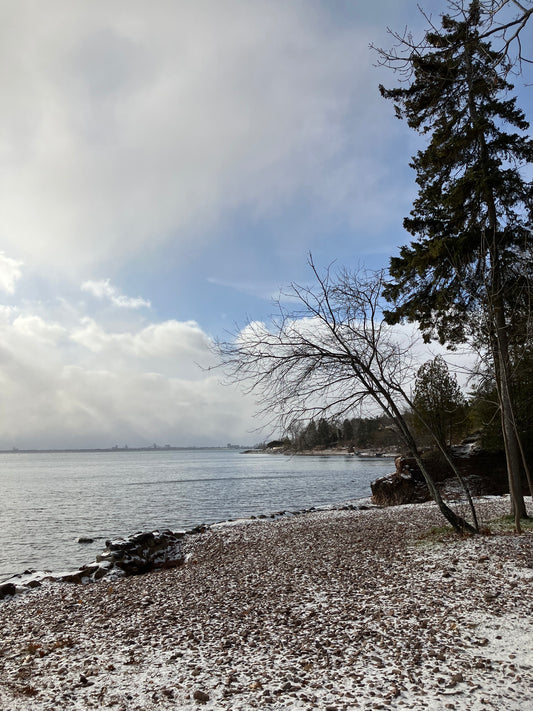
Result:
<point x="438" y="401"/>
<point x="473" y="215"/>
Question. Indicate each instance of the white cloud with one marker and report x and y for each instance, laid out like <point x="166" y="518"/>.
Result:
<point x="103" y="289"/>
<point x="37" y="329"/>
<point x="10" y="273"/>
<point x="168" y="347"/>
<point x="89" y="385"/>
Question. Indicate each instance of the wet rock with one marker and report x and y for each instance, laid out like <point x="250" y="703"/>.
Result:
<point x="7" y="589"/>
<point x="134" y="555"/>
<point x="201" y="528"/>
<point x="144" y="551"/>
<point x="75" y="577"/>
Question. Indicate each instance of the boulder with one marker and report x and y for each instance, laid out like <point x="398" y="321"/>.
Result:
<point x="7" y="589"/>
<point x="144" y="551"/>
<point x="404" y="486"/>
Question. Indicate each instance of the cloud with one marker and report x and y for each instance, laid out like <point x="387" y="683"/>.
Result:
<point x="129" y="127"/>
<point x="167" y="347"/>
<point x="10" y="273"/>
<point x="103" y="289"/>
<point x="36" y="329"/>
<point x="88" y="385"/>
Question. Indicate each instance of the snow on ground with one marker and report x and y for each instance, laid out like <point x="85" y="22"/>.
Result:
<point x="328" y="610"/>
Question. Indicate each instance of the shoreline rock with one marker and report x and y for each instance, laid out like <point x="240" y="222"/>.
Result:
<point x="137" y="554"/>
<point x="7" y="589"/>
<point x="403" y="486"/>
<point x="483" y="472"/>
<point x="144" y="551"/>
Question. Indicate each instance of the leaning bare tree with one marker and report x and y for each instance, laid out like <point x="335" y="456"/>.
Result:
<point x="332" y="354"/>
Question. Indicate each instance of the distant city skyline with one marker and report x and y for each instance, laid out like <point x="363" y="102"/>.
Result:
<point x="165" y="172"/>
<point x="126" y="448"/>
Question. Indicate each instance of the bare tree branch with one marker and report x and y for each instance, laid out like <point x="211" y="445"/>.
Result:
<point x="503" y="22"/>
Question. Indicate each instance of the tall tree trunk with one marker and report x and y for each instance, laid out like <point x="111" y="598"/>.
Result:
<point x="510" y="435"/>
<point x="497" y="315"/>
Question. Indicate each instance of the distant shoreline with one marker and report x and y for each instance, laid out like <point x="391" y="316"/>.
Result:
<point x="166" y="448"/>
<point x="328" y="452"/>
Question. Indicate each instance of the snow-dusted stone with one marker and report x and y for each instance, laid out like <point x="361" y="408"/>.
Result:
<point x="144" y="551"/>
<point x="136" y="554"/>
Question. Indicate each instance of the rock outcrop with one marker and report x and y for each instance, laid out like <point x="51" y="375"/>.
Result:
<point x="483" y="472"/>
<point x="404" y="486"/>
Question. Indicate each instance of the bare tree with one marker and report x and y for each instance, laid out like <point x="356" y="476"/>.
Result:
<point x="331" y="355"/>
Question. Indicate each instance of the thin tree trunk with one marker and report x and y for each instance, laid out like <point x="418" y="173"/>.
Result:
<point x="463" y="483"/>
<point x="524" y="460"/>
<point x="449" y="461"/>
<point x="497" y="319"/>
<point x="458" y="523"/>
<point x="510" y="437"/>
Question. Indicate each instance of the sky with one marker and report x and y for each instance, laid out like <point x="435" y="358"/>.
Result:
<point x="165" y="170"/>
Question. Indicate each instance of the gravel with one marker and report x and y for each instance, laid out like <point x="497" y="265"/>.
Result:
<point x="333" y="610"/>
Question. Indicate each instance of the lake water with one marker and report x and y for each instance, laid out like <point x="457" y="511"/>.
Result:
<point x="49" y="500"/>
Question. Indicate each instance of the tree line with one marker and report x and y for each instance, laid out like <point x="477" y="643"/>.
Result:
<point x="453" y="416"/>
<point x="356" y="433"/>
<point x="438" y="400"/>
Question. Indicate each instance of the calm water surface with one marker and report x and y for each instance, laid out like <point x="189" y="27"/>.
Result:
<point x="49" y="500"/>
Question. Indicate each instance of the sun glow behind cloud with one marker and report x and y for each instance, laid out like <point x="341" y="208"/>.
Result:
<point x="10" y="273"/>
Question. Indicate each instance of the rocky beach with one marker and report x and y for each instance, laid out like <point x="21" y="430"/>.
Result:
<point x="336" y="610"/>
